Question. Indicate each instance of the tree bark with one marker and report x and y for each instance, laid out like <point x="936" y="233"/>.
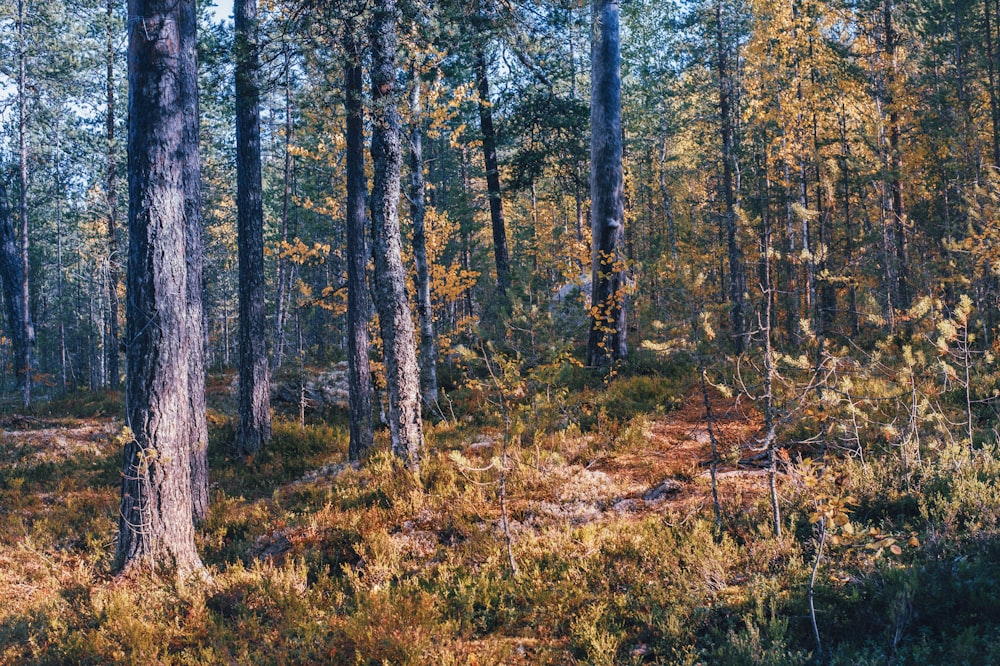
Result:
<point x="26" y="325"/>
<point x="395" y="322"/>
<point x="500" y="252"/>
<point x="418" y="214"/>
<point x="156" y="527"/>
<point x="358" y="306"/>
<point x="111" y="192"/>
<point x="284" y="272"/>
<point x="736" y="278"/>
<point x="255" y="400"/>
<point x="10" y="273"/>
<point x="607" y="327"/>
<point x="198" y="422"/>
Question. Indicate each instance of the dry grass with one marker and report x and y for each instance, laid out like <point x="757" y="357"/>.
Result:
<point x="316" y="561"/>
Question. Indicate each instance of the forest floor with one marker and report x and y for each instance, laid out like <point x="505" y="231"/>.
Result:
<point x="611" y="523"/>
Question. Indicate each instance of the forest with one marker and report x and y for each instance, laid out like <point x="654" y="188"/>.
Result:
<point x="500" y="332"/>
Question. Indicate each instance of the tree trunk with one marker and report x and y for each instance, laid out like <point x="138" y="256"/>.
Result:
<point x="736" y="279"/>
<point x="897" y="216"/>
<point x="607" y="216"/>
<point x="60" y="308"/>
<point x="198" y="422"/>
<point x="395" y="322"/>
<point x="845" y="168"/>
<point x="26" y="326"/>
<point x="255" y="400"/>
<point x="358" y="306"/>
<point x="10" y="274"/>
<point x="666" y="205"/>
<point x="991" y="69"/>
<point x="111" y="191"/>
<point x="284" y="274"/>
<point x="500" y="252"/>
<point x="156" y="527"/>
<point x="418" y="213"/>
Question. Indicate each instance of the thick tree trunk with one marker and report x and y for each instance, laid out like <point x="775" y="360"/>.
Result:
<point x="358" y="306"/>
<point x="500" y="253"/>
<point x="111" y="191"/>
<point x="736" y="278"/>
<point x="255" y="400"/>
<point x="395" y="322"/>
<point x="607" y="215"/>
<point x="156" y="525"/>
<point x="10" y="274"/>
<point x="418" y="213"/>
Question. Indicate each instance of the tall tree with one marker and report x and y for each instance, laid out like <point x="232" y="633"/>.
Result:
<point x="500" y="252"/>
<point x="194" y="246"/>
<point x="395" y="322"/>
<point x="359" y="372"/>
<point x="27" y="333"/>
<point x="418" y="214"/>
<point x="255" y="402"/>
<point x="111" y="192"/>
<point x="10" y="273"/>
<point x="284" y="269"/>
<point x="607" y="216"/>
<point x="900" y="287"/>
<point x="156" y="526"/>
<point x="736" y="279"/>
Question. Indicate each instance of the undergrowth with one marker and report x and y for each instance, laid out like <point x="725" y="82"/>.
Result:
<point x="316" y="561"/>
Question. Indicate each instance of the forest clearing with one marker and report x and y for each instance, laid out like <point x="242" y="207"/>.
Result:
<point x="500" y="332"/>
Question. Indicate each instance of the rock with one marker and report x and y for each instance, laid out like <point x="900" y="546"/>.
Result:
<point x="628" y="506"/>
<point x="322" y="388"/>
<point x="570" y="306"/>
<point x="665" y="489"/>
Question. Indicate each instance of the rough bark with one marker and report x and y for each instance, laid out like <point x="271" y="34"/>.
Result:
<point x="500" y="252"/>
<point x="395" y="322"/>
<point x="156" y="527"/>
<point x="418" y="214"/>
<point x="198" y="422"/>
<point x="10" y="274"/>
<point x="358" y="306"/>
<point x="607" y="339"/>
<point x="254" y="429"/>
<point x="111" y="192"/>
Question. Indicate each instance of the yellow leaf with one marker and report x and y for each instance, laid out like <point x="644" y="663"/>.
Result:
<point x="914" y="542"/>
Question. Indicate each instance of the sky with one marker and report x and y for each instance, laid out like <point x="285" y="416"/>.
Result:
<point x="223" y="10"/>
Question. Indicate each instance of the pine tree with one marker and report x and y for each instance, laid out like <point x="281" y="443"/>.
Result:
<point x="255" y="404"/>
<point x="156" y="523"/>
